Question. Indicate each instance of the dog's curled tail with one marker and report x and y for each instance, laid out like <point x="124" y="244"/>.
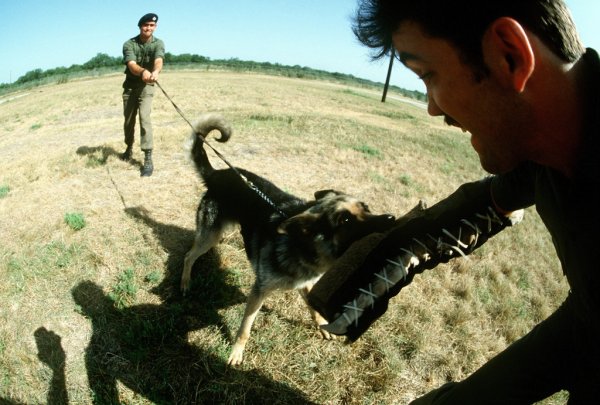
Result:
<point x="202" y="127"/>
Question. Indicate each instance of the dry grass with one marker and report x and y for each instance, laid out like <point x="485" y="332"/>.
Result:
<point x="95" y="313"/>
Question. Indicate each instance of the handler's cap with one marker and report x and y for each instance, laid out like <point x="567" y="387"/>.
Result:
<point x="148" y="18"/>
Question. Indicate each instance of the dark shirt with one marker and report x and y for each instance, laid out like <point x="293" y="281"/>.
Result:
<point x="144" y="54"/>
<point x="569" y="207"/>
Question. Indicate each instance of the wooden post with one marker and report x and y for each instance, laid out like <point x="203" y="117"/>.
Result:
<point x="389" y="74"/>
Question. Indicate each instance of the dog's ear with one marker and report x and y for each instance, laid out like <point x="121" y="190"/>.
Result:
<point x="324" y="193"/>
<point x="298" y="224"/>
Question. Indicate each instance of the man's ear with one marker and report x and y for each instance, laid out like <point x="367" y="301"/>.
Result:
<point x="507" y="52"/>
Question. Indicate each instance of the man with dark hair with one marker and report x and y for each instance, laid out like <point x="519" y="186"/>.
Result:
<point x="514" y="74"/>
<point x="143" y="55"/>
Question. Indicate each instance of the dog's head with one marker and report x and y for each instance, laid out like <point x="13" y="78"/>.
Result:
<point x="333" y="222"/>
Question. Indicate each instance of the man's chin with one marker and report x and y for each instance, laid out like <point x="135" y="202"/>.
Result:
<point x="494" y="167"/>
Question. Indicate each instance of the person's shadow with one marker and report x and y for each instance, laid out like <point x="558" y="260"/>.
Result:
<point x="145" y="347"/>
<point x="98" y="155"/>
<point x="51" y="352"/>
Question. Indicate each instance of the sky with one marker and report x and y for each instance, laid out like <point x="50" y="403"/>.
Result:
<point x="314" y="33"/>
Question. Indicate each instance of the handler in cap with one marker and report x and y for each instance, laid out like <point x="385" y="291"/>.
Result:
<point x="143" y="55"/>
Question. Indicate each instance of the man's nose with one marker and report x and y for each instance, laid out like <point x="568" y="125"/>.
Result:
<point x="432" y="107"/>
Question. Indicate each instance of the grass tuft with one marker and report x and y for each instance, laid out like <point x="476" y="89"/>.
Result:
<point x="126" y="289"/>
<point x="368" y="151"/>
<point x="4" y="190"/>
<point x="75" y="220"/>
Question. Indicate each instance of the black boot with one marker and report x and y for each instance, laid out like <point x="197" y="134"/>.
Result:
<point x="126" y="156"/>
<point x="147" y="168"/>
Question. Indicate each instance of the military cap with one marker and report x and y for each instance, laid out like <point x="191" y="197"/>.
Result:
<point x="148" y="18"/>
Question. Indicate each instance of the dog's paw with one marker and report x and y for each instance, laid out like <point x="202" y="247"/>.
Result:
<point x="325" y="334"/>
<point x="185" y="284"/>
<point x="237" y="355"/>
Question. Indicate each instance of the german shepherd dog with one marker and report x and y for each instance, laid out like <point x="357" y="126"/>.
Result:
<point x="289" y="247"/>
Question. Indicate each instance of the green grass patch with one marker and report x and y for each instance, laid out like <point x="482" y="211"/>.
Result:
<point x="75" y="220"/>
<point x="273" y="118"/>
<point x="367" y="151"/>
<point x="377" y="178"/>
<point x="153" y="277"/>
<point x="58" y="255"/>
<point x="125" y="291"/>
<point x="396" y="115"/>
<point x="96" y="161"/>
<point x="4" y="190"/>
<point x="355" y="93"/>
<point x="406" y="180"/>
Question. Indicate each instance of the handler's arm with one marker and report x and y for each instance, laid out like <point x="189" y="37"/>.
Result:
<point x="135" y="69"/>
<point x="158" y="64"/>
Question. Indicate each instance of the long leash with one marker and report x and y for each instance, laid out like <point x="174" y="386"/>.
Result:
<point x="248" y="183"/>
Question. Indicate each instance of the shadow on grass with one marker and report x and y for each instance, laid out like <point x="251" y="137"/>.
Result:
<point x="51" y="352"/>
<point x="98" y="155"/>
<point x="7" y="401"/>
<point x="145" y="347"/>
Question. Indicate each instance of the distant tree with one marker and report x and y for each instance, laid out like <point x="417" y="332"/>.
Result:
<point x="102" y="60"/>
<point x="30" y="76"/>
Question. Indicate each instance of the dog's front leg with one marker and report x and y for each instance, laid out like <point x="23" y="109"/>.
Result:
<point x="255" y="302"/>
<point x="319" y="320"/>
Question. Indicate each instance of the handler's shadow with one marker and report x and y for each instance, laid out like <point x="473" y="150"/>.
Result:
<point x="144" y="347"/>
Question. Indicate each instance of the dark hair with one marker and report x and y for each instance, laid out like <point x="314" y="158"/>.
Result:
<point x="463" y="23"/>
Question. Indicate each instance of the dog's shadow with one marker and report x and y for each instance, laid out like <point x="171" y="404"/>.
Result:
<point x="209" y="290"/>
<point x="145" y="347"/>
<point x="207" y="284"/>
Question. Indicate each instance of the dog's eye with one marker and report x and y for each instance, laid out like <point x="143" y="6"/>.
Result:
<point x="344" y="218"/>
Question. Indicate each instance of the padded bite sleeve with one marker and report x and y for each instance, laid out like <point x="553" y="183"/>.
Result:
<point x="356" y="292"/>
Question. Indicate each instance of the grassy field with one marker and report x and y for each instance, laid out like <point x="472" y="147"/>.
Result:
<point x="91" y="254"/>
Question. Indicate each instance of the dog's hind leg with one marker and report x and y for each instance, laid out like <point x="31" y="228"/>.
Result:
<point x="202" y="244"/>
<point x="255" y="302"/>
<point x="319" y="320"/>
<point x="208" y="233"/>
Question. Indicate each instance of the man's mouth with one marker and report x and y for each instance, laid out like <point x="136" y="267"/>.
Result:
<point x="453" y="123"/>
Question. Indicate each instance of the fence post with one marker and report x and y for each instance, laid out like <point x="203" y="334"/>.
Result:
<point x="389" y="74"/>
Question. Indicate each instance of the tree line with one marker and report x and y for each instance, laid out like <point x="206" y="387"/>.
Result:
<point x="103" y="63"/>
